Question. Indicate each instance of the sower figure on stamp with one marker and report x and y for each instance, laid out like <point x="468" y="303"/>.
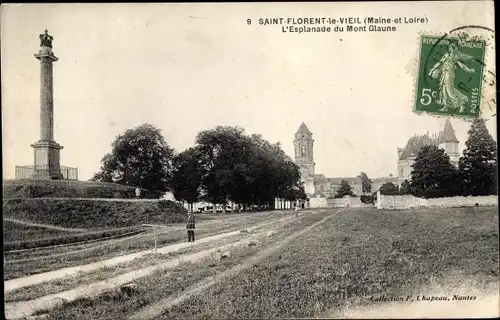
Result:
<point x="449" y="96"/>
<point x="190" y="225"/>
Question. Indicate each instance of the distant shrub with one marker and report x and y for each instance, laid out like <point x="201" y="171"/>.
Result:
<point x="389" y="189"/>
<point x="367" y="198"/>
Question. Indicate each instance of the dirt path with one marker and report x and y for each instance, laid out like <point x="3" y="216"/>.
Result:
<point x="41" y="225"/>
<point x="61" y="273"/>
<point x="155" y="310"/>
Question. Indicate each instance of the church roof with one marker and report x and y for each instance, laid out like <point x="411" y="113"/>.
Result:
<point x="303" y="129"/>
<point x="448" y="134"/>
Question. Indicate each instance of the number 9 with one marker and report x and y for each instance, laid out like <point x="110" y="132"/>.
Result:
<point x="249" y="21"/>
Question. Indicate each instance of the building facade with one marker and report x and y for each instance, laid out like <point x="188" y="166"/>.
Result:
<point x="316" y="185"/>
<point x="445" y="140"/>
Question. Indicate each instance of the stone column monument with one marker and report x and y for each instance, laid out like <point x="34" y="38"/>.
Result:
<point x="47" y="151"/>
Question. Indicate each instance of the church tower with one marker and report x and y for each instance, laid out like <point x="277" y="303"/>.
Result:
<point x="448" y="141"/>
<point x="304" y="157"/>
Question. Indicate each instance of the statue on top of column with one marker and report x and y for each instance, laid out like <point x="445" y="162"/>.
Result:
<point x="46" y="39"/>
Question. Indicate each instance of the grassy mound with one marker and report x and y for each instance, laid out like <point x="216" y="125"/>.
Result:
<point x="67" y="189"/>
<point x="90" y="214"/>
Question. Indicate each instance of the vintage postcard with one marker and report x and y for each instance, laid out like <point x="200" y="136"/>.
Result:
<point x="250" y="160"/>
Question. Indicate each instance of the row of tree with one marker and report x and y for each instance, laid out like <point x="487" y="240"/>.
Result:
<point x="224" y="165"/>
<point x="228" y="165"/>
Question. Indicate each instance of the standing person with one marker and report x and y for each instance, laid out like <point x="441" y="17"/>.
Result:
<point x="190" y="225"/>
<point x="137" y="192"/>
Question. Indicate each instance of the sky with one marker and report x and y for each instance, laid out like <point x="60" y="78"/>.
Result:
<point x="190" y="67"/>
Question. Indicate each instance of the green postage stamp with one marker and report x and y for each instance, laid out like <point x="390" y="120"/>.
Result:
<point x="449" y="79"/>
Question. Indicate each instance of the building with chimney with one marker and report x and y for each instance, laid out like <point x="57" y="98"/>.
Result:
<point x="445" y="140"/>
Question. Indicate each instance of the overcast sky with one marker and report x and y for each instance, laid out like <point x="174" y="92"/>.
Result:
<point x="190" y="67"/>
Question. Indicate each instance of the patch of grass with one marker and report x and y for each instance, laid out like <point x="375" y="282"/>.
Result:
<point x="352" y="257"/>
<point x="45" y="237"/>
<point x="164" y="283"/>
<point x="16" y="233"/>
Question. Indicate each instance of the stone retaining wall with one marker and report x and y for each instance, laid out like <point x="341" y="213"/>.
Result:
<point x="409" y="201"/>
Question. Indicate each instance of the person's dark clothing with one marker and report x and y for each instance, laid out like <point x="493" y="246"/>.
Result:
<point x="190" y="226"/>
<point x="190" y="235"/>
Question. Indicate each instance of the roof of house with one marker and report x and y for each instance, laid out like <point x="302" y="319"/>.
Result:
<point x="415" y="143"/>
<point x="303" y="129"/>
<point x="384" y="179"/>
<point x="322" y="179"/>
<point x="350" y="180"/>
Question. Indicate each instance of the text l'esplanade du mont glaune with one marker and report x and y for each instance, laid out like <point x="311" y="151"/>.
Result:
<point x="339" y="24"/>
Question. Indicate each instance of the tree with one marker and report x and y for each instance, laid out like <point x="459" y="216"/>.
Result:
<point x="405" y="187"/>
<point x="433" y="175"/>
<point x="139" y="157"/>
<point x="365" y="182"/>
<point x="478" y="165"/>
<point x="344" y="190"/>
<point x="389" y="189"/>
<point x="187" y="176"/>
<point x="277" y="176"/>
<point x="222" y="151"/>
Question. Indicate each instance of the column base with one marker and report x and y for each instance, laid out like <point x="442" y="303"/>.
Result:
<point x="47" y="160"/>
